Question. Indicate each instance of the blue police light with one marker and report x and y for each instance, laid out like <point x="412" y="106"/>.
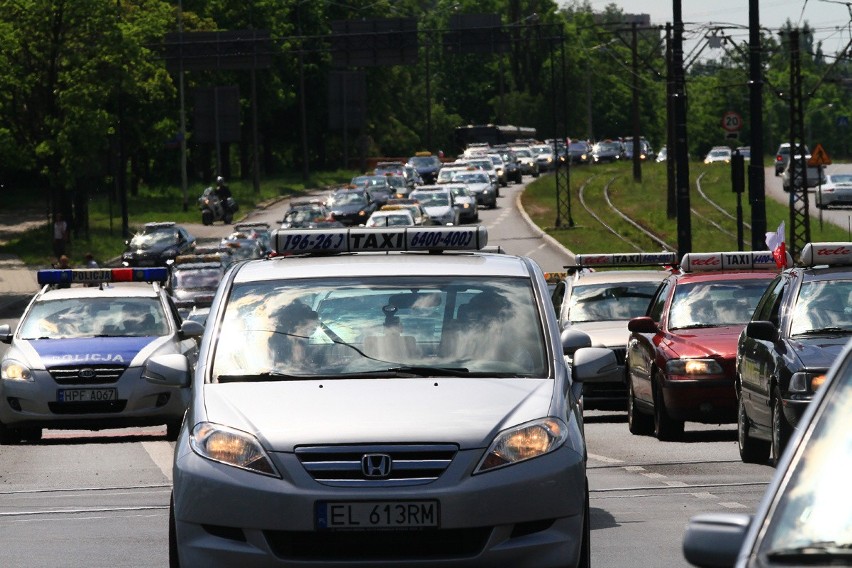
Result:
<point x="102" y="275"/>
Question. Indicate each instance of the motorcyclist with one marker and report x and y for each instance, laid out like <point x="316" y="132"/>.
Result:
<point x="223" y="192"/>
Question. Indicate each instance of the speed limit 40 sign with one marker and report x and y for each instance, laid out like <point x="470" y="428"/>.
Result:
<point x="732" y="121"/>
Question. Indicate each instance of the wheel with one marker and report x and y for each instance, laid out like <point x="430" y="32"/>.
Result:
<point x="751" y="449"/>
<point x="228" y="217"/>
<point x="174" y="560"/>
<point x="32" y="434"/>
<point x="585" y="560"/>
<point x="638" y="423"/>
<point x="665" y="428"/>
<point x="207" y="217"/>
<point x="9" y="435"/>
<point x="172" y="430"/>
<point x="780" y="429"/>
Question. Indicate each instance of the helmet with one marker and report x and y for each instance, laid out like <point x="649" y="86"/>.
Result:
<point x="220" y="179"/>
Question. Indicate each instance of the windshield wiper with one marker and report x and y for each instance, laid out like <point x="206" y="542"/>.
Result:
<point x="699" y="326"/>
<point x="812" y="553"/>
<point x="426" y="371"/>
<point x="825" y="330"/>
<point x="266" y="376"/>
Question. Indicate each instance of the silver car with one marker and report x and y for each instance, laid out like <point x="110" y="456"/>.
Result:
<point x="380" y="407"/>
<point x="75" y="360"/>
<point x="836" y="191"/>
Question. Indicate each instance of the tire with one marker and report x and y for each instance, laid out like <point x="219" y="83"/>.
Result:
<point x="8" y="435"/>
<point x="172" y="430"/>
<point x="751" y="449"/>
<point x="228" y="217"/>
<point x="207" y="217"/>
<point x="174" y="559"/>
<point x="639" y="423"/>
<point x="665" y="428"/>
<point x="781" y="431"/>
<point x="585" y="560"/>
<point x="32" y="434"/>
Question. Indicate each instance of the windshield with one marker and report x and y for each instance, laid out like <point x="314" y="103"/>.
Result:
<point x="432" y="198"/>
<point x="714" y="304"/>
<point x="822" y="305"/>
<point x="841" y="178"/>
<point x="424" y="161"/>
<point x="610" y="301"/>
<point x="95" y="317"/>
<point x="347" y="198"/>
<point x="471" y="178"/>
<point x="153" y="239"/>
<point x="391" y="220"/>
<point x="339" y="326"/>
<point x="810" y="524"/>
<point x="196" y="278"/>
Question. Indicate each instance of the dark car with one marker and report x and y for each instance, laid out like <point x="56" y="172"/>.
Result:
<point x="512" y="165"/>
<point x="804" y="516"/>
<point x="607" y="151"/>
<point x="426" y="165"/>
<point x="799" y="327"/>
<point x="194" y="279"/>
<point x="681" y="354"/>
<point x="302" y="213"/>
<point x="578" y="152"/>
<point x="351" y="206"/>
<point x="157" y="245"/>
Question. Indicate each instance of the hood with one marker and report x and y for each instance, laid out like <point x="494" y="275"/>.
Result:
<point x="340" y="411"/>
<point x="818" y="352"/>
<point x="348" y="209"/>
<point x="121" y="351"/>
<point x="704" y="342"/>
<point x="612" y="334"/>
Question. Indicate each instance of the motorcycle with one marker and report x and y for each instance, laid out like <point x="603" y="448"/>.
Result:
<point x="212" y="208"/>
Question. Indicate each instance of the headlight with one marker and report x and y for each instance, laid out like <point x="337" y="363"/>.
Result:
<point x="15" y="371"/>
<point x="362" y="213"/>
<point x="693" y="367"/>
<point x="805" y="382"/>
<point x="523" y="443"/>
<point x="171" y="251"/>
<point x="231" y="447"/>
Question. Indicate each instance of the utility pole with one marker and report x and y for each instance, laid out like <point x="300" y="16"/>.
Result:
<point x="684" y="221"/>
<point x="800" y="219"/>
<point x="756" y="173"/>
<point x="671" y="192"/>
<point x="637" y="146"/>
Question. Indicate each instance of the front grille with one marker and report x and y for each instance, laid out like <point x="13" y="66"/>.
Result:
<point x="340" y="466"/>
<point x="100" y="407"/>
<point x="87" y="374"/>
<point x="375" y="546"/>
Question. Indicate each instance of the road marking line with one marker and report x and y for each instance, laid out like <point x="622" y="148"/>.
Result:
<point x="162" y="454"/>
<point x="653" y="475"/>
<point x="634" y="468"/>
<point x="704" y="495"/>
<point x="604" y="459"/>
<point x="676" y="483"/>
<point x="733" y="505"/>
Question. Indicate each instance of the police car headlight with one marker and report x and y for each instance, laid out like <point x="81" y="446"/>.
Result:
<point x="15" y="371"/>
<point x="693" y="367"/>
<point x="524" y="442"/>
<point x="805" y="382"/>
<point x="231" y="447"/>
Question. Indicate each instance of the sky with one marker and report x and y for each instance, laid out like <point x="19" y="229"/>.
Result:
<point x="829" y="19"/>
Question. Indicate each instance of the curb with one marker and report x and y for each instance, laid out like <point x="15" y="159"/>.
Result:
<point x="536" y="229"/>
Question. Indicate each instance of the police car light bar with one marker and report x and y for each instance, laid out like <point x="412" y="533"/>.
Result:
<point x="379" y="239"/>
<point x="735" y="260"/>
<point x="832" y="254"/>
<point x="624" y="260"/>
<point x="101" y="275"/>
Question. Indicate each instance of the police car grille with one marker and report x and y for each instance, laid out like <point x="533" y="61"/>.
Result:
<point x="87" y="375"/>
<point x="341" y="466"/>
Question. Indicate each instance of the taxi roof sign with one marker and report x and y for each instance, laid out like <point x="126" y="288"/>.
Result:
<point x="624" y="260"/>
<point x="832" y="254"/>
<point x="101" y="275"/>
<point x="734" y="260"/>
<point x="378" y="239"/>
<point x="819" y="157"/>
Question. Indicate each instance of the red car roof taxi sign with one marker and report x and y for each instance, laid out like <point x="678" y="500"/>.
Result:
<point x="735" y="260"/>
<point x="835" y="254"/>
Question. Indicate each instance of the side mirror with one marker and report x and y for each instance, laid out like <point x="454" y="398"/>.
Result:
<point x="167" y="370"/>
<point x="191" y="329"/>
<point x="712" y="540"/>
<point x="5" y="333"/>
<point x="593" y="363"/>
<point x="642" y="324"/>
<point x="572" y="340"/>
<point x="762" y="330"/>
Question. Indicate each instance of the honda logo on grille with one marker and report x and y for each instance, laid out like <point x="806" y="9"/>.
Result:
<point x="376" y="465"/>
<point x="86" y="373"/>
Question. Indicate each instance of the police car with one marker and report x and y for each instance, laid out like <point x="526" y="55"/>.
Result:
<point x="393" y="397"/>
<point x="800" y="326"/>
<point x="681" y="354"/>
<point x="599" y="295"/>
<point x="76" y="357"/>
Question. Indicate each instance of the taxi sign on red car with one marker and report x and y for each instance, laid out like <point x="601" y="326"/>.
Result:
<point x="330" y="241"/>
<point x="626" y="259"/>
<point x="735" y="260"/>
<point x="835" y="254"/>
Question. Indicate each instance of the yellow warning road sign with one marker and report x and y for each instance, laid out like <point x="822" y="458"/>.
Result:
<point x="819" y="157"/>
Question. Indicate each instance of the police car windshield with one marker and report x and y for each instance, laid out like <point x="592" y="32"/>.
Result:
<point x="610" y="302"/>
<point x="154" y="238"/>
<point x="338" y="327"/>
<point x="95" y="317"/>
<point x="714" y="304"/>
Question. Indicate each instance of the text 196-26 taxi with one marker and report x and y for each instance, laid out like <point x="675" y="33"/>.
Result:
<point x="76" y="358"/>
<point x="680" y="356"/>
<point x="600" y="302"/>
<point x="382" y="396"/>
<point x="799" y="327"/>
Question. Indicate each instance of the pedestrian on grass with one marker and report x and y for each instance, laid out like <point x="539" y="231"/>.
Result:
<point x="60" y="235"/>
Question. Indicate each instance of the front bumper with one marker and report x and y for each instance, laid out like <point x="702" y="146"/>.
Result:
<point x="711" y="401"/>
<point x="138" y="403"/>
<point x="528" y="514"/>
